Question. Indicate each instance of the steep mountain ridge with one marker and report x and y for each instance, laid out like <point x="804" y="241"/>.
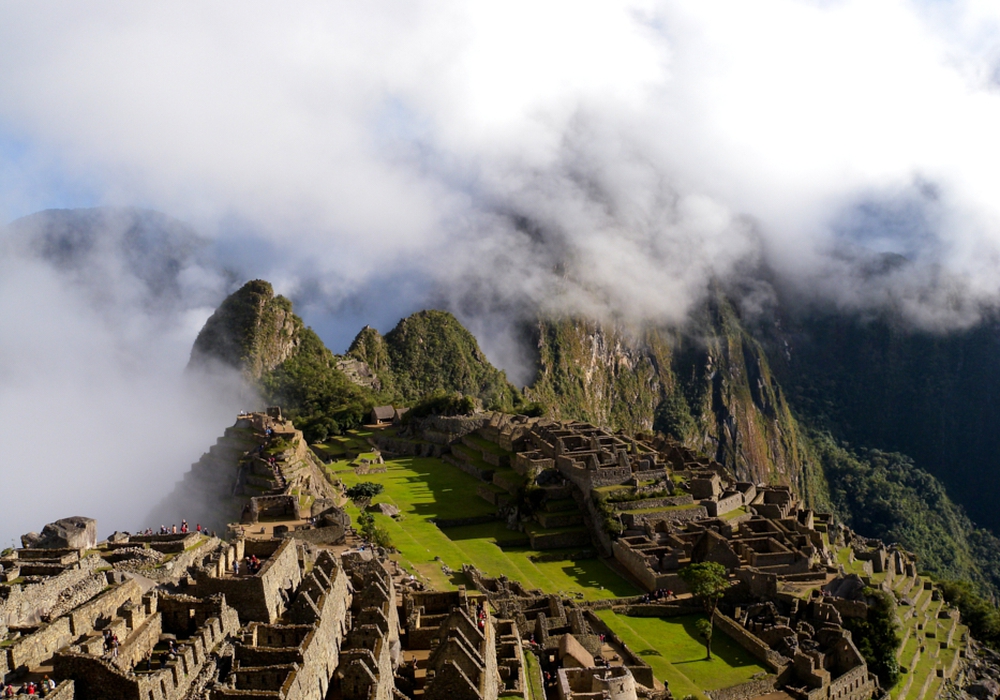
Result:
<point x="431" y="352"/>
<point x="252" y="330"/>
<point x="710" y="387"/>
<point x="258" y="333"/>
<point x="879" y="383"/>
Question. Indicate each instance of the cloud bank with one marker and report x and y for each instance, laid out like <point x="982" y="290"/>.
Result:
<point x="373" y="158"/>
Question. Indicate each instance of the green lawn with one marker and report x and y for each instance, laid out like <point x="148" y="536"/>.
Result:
<point x="674" y="651"/>
<point x="426" y="488"/>
<point x="852" y="567"/>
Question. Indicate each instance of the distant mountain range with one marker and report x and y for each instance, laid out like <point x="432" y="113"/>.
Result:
<point x="889" y="427"/>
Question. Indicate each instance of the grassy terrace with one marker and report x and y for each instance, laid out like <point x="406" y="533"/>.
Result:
<point x="674" y="651"/>
<point x="485" y="445"/>
<point x="425" y="488"/>
<point x="662" y="509"/>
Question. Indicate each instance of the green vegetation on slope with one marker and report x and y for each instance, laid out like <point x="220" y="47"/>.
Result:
<point x="430" y="352"/>
<point x="877" y="636"/>
<point x="977" y="612"/>
<point x="320" y="399"/>
<point x="710" y="387"/>
<point x="369" y="347"/>
<point x="252" y="330"/>
<point x="884" y="495"/>
<point x="880" y="383"/>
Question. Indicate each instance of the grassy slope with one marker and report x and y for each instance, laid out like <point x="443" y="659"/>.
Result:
<point x="426" y="488"/>
<point x="672" y="648"/>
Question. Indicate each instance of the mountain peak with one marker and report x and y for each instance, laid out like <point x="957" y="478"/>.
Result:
<point x="252" y="330"/>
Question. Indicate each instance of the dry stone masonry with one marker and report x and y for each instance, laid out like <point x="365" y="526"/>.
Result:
<point x="272" y="596"/>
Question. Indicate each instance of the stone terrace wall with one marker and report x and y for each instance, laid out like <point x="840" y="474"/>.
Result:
<point x="760" y="651"/>
<point x="748" y="690"/>
<point x="665" y="502"/>
<point x="258" y="597"/>
<point x="95" y="679"/>
<point x="636" y="521"/>
<point x="32" y="649"/>
<point x="36" y="647"/>
<point x="25" y="604"/>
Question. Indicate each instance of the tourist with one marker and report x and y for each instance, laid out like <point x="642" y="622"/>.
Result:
<point x="174" y="528"/>
<point x="198" y="528"/>
<point x="8" y="691"/>
<point x="236" y="567"/>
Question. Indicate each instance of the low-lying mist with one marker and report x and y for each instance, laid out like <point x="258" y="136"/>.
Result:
<point x="502" y="161"/>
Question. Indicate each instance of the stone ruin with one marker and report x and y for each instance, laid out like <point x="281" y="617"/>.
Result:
<point x="193" y="619"/>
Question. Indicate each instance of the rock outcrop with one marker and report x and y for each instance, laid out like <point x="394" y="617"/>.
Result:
<point x="714" y="391"/>
<point x="76" y="532"/>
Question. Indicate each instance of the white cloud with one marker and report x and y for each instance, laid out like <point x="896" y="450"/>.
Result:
<point x="606" y="158"/>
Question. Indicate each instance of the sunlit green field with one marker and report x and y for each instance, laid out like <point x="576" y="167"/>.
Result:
<point x="426" y="488"/>
<point x="676" y="654"/>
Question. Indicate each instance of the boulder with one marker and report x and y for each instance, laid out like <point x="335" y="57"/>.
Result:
<point x="383" y="508"/>
<point x="76" y="532"/>
<point x="985" y="689"/>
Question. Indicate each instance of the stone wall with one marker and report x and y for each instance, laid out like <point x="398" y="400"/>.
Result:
<point x="746" y="691"/>
<point x="636" y="521"/>
<point x="665" y="502"/>
<point x="63" y="691"/>
<point x="559" y="540"/>
<point x="97" y="679"/>
<point x="760" y="651"/>
<point x="724" y="505"/>
<point x="87" y="617"/>
<point x="853" y="685"/>
<point x="471" y="469"/>
<point x="34" y="648"/>
<point x="26" y="604"/>
<point x="258" y="597"/>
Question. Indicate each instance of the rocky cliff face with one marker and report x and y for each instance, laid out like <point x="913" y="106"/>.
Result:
<point x="711" y="387"/>
<point x="252" y="330"/>
<point x="878" y="383"/>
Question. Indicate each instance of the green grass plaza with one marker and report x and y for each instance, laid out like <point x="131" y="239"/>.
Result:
<point x="426" y="489"/>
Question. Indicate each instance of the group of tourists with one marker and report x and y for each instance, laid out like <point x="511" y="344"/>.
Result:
<point x="658" y="594"/>
<point x="31" y="688"/>
<point x="111" y="644"/>
<point x="184" y="529"/>
<point x="253" y="565"/>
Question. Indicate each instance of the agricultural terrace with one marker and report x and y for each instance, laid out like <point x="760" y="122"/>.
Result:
<point x="426" y="489"/>
<point x="673" y="649"/>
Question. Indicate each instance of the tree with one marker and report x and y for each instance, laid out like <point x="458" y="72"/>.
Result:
<point x="877" y="635"/>
<point x="707" y="581"/>
<point x="373" y="533"/>
<point x="362" y="493"/>
<point x="704" y="627"/>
